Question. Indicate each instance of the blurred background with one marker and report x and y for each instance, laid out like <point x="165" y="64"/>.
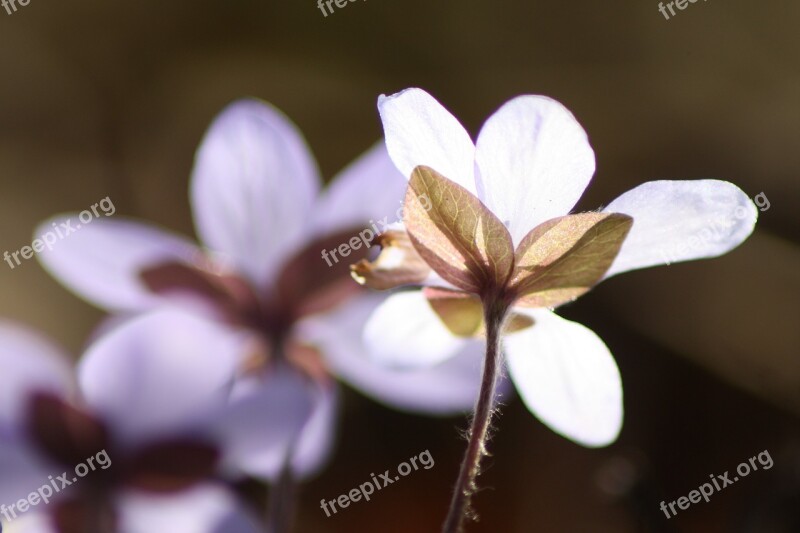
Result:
<point x="111" y="99"/>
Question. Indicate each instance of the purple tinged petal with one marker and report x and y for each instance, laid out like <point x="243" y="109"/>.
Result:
<point x="101" y="261"/>
<point x="315" y="443"/>
<point x="367" y="194"/>
<point x="22" y="471"/>
<point x="160" y="374"/>
<point x="29" y="363"/>
<point x="205" y="509"/>
<point x="263" y="420"/>
<point x="253" y="187"/>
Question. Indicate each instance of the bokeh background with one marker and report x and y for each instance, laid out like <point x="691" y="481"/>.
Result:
<point x="105" y="98"/>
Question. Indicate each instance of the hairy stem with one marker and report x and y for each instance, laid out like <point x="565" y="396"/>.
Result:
<point x="460" y="505"/>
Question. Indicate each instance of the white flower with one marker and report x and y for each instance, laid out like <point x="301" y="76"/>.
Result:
<point x="530" y="164"/>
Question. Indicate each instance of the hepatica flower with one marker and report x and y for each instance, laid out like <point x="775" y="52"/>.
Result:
<point x="497" y="250"/>
<point x="274" y="265"/>
<point x="140" y="436"/>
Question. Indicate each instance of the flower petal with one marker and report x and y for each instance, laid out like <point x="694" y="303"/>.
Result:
<point x="253" y="186"/>
<point x="100" y="262"/>
<point x="205" y="509"/>
<point x="264" y="418"/>
<point x="33" y="522"/>
<point x="22" y="471"/>
<point x="535" y="161"/>
<point x="316" y="441"/>
<point x="368" y="195"/>
<point x="405" y="332"/>
<point x="420" y="131"/>
<point x="159" y="374"/>
<point x="680" y="221"/>
<point x="567" y="378"/>
<point x="444" y="389"/>
<point x="28" y="363"/>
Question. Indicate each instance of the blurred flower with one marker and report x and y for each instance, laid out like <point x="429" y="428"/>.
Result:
<point x="499" y="230"/>
<point x="266" y="225"/>
<point x="141" y="434"/>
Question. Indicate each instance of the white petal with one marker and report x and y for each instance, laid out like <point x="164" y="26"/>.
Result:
<point x="567" y="378"/>
<point x="253" y="187"/>
<point x="447" y="388"/>
<point x="535" y="161"/>
<point x="101" y="261"/>
<point x="159" y="374"/>
<point x="28" y="363"/>
<point x="369" y="191"/>
<point x="204" y="509"/>
<point x="420" y="131"/>
<point x="405" y="332"/>
<point x="680" y="221"/>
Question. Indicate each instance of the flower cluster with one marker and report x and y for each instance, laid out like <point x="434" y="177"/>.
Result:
<point x="221" y="359"/>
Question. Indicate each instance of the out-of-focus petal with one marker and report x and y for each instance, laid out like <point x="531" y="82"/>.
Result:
<point x="567" y="377"/>
<point x="159" y="374"/>
<point x="32" y="522"/>
<point x="404" y="332"/>
<point x="101" y="261"/>
<point x="205" y="509"/>
<point x="265" y="416"/>
<point x="22" y="471"/>
<point x="316" y="440"/>
<point x="535" y="161"/>
<point x="447" y="388"/>
<point x="368" y="194"/>
<point x="420" y="131"/>
<point x="28" y="363"/>
<point x="680" y="221"/>
<point x="253" y="186"/>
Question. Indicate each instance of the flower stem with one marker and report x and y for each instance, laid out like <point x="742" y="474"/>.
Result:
<point x="460" y="508"/>
<point x="282" y="504"/>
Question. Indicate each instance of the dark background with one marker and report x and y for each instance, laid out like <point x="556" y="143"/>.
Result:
<point x="111" y="98"/>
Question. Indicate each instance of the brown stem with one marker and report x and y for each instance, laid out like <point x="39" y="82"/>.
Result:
<point x="460" y="509"/>
<point x="282" y="500"/>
